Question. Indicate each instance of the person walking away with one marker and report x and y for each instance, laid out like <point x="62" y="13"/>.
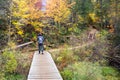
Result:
<point x="93" y="31"/>
<point x="40" y="39"/>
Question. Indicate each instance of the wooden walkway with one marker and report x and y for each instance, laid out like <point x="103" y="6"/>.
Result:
<point x="43" y="68"/>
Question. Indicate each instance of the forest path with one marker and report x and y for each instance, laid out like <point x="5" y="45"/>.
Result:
<point x="72" y="48"/>
<point x="43" y="68"/>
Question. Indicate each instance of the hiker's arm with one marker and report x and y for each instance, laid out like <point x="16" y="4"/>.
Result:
<point x="43" y="39"/>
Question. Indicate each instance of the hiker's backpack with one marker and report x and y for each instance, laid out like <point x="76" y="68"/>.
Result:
<point x="40" y="39"/>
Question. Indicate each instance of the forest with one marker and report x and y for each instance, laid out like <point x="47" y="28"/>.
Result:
<point x="90" y="27"/>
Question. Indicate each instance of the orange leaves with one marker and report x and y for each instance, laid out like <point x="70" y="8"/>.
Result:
<point x="111" y="28"/>
<point x="38" y="4"/>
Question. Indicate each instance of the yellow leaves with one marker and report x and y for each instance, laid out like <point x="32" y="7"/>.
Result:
<point x="38" y="29"/>
<point x="93" y="17"/>
<point x="59" y="58"/>
<point x="72" y="4"/>
<point x="98" y="35"/>
<point x="58" y="9"/>
<point x="17" y="26"/>
<point x="20" y="8"/>
<point x="25" y="12"/>
<point x="37" y="26"/>
<point x="26" y="9"/>
<point x="20" y="32"/>
<point x="11" y="44"/>
<point x="36" y="23"/>
<point x="81" y="19"/>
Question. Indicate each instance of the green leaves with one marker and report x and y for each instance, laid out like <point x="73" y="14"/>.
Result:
<point x="84" y="71"/>
<point x="89" y="71"/>
<point x="9" y="61"/>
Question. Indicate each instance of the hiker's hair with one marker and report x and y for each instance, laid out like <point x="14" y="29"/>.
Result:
<point x="40" y="34"/>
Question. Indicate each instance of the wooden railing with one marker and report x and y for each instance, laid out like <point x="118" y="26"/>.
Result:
<point x="18" y="46"/>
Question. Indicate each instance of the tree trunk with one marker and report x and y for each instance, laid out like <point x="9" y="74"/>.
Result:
<point x="116" y="16"/>
<point x="101" y="16"/>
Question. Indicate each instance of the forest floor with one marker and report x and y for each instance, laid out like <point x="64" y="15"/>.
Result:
<point x="72" y="47"/>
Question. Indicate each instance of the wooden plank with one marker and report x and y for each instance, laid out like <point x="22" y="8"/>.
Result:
<point x="43" y="68"/>
<point x="23" y="44"/>
<point x="18" y="46"/>
<point x="44" y="79"/>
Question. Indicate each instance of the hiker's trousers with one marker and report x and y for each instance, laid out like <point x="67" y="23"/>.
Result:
<point x="40" y="47"/>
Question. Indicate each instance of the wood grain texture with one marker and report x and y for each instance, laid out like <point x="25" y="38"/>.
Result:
<point x="43" y="68"/>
